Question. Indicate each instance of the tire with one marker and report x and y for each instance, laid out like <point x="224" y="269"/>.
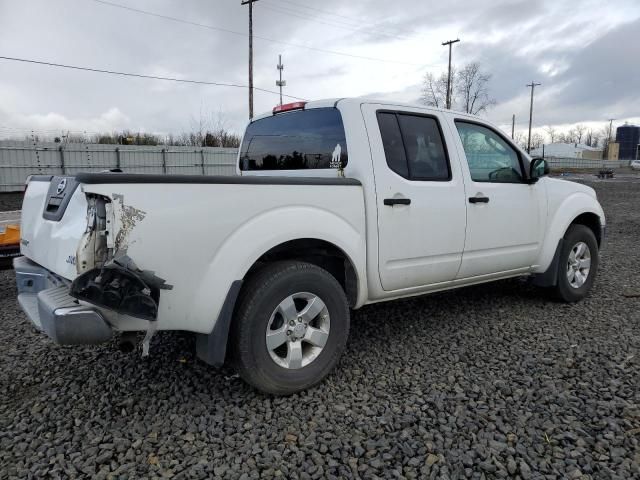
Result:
<point x="265" y="309"/>
<point x="568" y="290"/>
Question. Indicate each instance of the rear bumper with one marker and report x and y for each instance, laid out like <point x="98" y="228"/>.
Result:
<point x="45" y="299"/>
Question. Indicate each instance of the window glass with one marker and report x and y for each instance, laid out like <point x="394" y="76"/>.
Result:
<point x="490" y="158"/>
<point x="425" y="150"/>
<point x="301" y="139"/>
<point x="392" y="142"/>
<point x="413" y="146"/>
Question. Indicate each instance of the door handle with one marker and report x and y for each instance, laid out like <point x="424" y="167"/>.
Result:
<point x="397" y="201"/>
<point x="478" y="199"/>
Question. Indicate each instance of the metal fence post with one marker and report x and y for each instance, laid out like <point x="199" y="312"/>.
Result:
<point x="164" y="160"/>
<point x="202" y="154"/>
<point x="62" y="167"/>
<point x="118" y="158"/>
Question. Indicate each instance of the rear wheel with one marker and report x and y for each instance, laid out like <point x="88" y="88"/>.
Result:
<point x="290" y="328"/>
<point x="578" y="264"/>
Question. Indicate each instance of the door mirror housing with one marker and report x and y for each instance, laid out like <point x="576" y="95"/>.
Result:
<point x="538" y="168"/>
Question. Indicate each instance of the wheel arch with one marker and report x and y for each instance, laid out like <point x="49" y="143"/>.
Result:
<point x="321" y="253"/>
<point x="592" y="222"/>
<point x="580" y="209"/>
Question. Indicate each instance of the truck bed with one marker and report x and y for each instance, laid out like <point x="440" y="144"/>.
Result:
<point x="199" y="233"/>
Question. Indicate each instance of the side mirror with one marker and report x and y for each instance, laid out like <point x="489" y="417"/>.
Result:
<point x="538" y="168"/>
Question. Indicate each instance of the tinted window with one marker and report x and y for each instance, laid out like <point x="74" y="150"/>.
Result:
<point x="490" y="157"/>
<point x="392" y="142"/>
<point x="424" y="146"/>
<point x="302" y="139"/>
<point x="413" y="146"/>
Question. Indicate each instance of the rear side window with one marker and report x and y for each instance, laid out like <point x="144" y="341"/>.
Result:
<point x="298" y="140"/>
<point x="414" y="147"/>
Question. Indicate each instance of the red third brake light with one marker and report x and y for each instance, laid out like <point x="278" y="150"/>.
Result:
<point x="289" y="106"/>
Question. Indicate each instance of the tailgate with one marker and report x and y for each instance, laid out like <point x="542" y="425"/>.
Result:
<point x="54" y="219"/>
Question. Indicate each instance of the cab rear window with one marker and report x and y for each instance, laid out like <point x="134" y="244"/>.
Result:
<point x="298" y="140"/>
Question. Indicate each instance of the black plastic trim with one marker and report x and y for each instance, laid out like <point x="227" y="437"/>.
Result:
<point x="111" y="178"/>
<point x="550" y="277"/>
<point x="397" y="201"/>
<point x="57" y="203"/>
<point x="212" y="348"/>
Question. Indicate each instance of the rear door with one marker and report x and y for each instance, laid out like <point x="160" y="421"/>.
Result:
<point x="419" y="195"/>
<point x="504" y="212"/>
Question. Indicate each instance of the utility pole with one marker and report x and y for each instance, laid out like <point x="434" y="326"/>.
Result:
<point x="533" y="86"/>
<point x="609" y="137"/>
<point x="513" y="127"/>
<point x="280" y="83"/>
<point x="250" y="3"/>
<point x="450" y="43"/>
<point x="610" y="127"/>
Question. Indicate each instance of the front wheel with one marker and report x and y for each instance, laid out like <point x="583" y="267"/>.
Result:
<point x="578" y="264"/>
<point x="290" y="328"/>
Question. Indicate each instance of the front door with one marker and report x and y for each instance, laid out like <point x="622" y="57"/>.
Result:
<point x="420" y="197"/>
<point x="504" y="212"/>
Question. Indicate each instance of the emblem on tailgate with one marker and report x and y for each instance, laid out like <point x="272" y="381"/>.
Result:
<point x="61" y="186"/>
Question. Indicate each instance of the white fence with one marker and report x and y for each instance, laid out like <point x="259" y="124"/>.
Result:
<point x="21" y="159"/>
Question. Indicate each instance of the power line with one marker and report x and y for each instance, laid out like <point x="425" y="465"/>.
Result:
<point x="357" y="21"/>
<point x="313" y="16"/>
<point x="332" y="23"/>
<point x="266" y="39"/>
<point x="140" y="75"/>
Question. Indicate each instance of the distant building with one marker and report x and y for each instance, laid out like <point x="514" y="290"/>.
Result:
<point x="613" y="151"/>
<point x="568" y="150"/>
<point x="628" y="136"/>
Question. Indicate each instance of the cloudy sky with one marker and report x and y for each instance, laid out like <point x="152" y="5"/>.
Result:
<point x="584" y="52"/>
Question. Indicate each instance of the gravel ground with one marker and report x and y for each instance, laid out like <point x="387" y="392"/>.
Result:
<point x="486" y="382"/>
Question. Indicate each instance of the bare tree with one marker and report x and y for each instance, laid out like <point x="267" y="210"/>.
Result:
<point x="552" y="132"/>
<point x="434" y="90"/>
<point x="603" y="136"/>
<point x="521" y="140"/>
<point x="472" y="84"/>
<point x="537" y="139"/>
<point x="580" y="130"/>
<point x="589" y="138"/>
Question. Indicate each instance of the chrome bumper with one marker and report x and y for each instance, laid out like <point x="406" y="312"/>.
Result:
<point x="45" y="299"/>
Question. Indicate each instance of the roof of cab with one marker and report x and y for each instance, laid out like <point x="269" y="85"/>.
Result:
<point x="333" y="102"/>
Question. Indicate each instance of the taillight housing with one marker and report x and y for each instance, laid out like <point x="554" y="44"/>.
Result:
<point x="289" y="106"/>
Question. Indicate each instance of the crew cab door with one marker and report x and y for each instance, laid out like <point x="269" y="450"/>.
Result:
<point x="420" y="197"/>
<point x="504" y="212"/>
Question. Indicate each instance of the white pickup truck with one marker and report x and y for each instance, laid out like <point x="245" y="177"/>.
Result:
<point x="336" y="204"/>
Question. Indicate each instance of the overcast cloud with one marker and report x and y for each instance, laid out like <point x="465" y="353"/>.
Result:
<point x="584" y="52"/>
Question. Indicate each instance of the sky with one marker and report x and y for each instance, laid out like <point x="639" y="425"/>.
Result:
<point x="584" y="53"/>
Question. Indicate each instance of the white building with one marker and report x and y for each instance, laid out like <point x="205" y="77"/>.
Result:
<point x="567" y="150"/>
